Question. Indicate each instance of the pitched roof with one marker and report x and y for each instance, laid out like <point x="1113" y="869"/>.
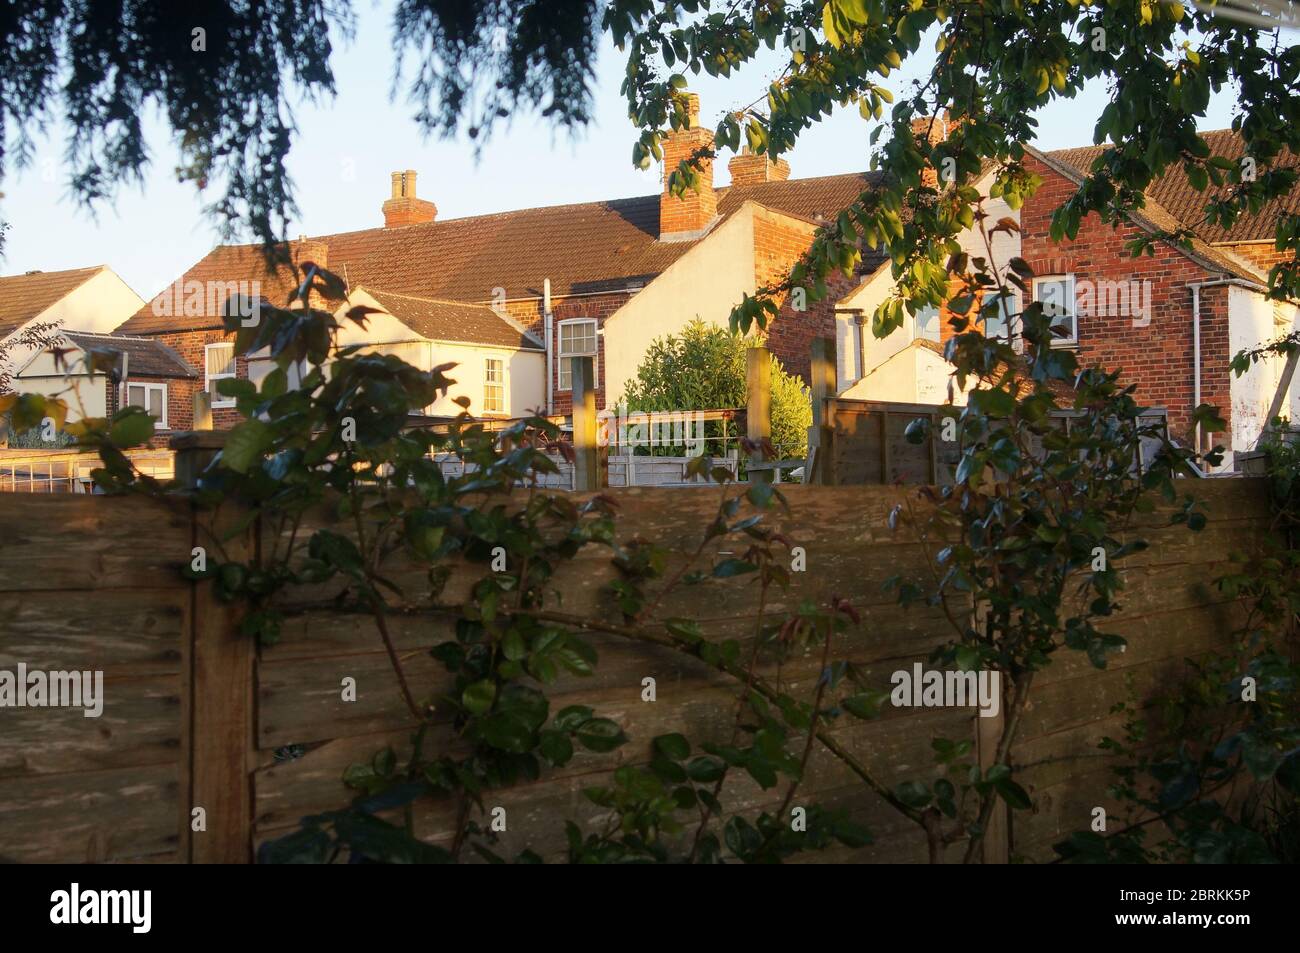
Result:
<point x="1153" y="218"/>
<point x="1174" y="193"/>
<point x="146" y="357"/>
<point x="453" y="320"/>
<point x="23" y="297"/>
<point x="590" y="247"/>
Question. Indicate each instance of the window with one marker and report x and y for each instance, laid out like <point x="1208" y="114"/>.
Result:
<point x="219" y="361"/>
<point x="577" y="339"/>
<point x="927" y="323"/>
<point x="494" y="386"/>
<point x="151" y="397"/>
<point x="1057" y="296"/>
<point x="1000" y="324"/>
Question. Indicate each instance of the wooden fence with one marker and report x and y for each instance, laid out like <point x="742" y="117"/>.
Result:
<point x="196" y="717"/>
<point x="865" y="441"/>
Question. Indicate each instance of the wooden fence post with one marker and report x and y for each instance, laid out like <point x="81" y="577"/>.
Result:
<point x="586" y="470"/>
<point x="220" y="745"/>
<point x="821" y="450"/>
<point x="758" y="407"/>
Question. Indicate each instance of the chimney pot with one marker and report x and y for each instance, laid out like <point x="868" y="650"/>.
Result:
<point x="404" y="208"/>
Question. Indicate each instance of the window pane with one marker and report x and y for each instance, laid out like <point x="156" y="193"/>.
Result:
<point x="996" y="325"/>
<point x="927" y="323"/>
<point x="1055" y="296"/>
<point x="578" y="338"/>
<point x="134" y="395"/>
<point x="221" y="359"/>
<point x="156" y="402"/>
<point x="493" y="389"/>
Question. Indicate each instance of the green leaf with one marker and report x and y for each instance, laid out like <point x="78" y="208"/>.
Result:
<point x="245" y="444"/>
<point x="674" y="746"/>
<point x="1015" y="796"/>
<point x="913" y="794"/>
<point x="600" y="734"/>
<point x="131" y="427"/>
<point x="478" y="697"/>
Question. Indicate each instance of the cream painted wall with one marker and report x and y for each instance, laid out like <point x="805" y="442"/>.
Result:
<point x="525" y="378"/>
<point x="1005" y="247"/>
<point x="525" y="370"/>
<point x="705" y="283"/>
<point x="91" y="389"/>
<point x="876" y="351"/>
<point x="914" y="375"/>
<point x="933" y="369"/>
<point x="1251" y="322"/>
<point x="41" y="376"/>
<point x="98" y="304"/>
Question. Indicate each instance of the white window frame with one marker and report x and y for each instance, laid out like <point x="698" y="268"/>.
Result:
<point x="219" y="402"/>
<point x="564" y="357"/>
<point x="488" y="383"/>
<point x="1068" y="279"/>
<point x="161" y="422"/>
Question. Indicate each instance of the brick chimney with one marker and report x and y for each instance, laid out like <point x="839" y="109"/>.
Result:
<point x="750" y="169"/>
<point x="685" y="218"/>
<point x="934" y="129"/>
<point x="404" y="208"/>
<point x="310" y="249"/>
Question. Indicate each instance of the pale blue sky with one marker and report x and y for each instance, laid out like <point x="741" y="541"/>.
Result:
<point x="346" y="149"/>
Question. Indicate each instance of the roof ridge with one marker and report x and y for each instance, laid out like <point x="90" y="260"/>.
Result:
<point x="371" y="289"/>
<point x="606" y="202"/>
<point x="38" y="272"/>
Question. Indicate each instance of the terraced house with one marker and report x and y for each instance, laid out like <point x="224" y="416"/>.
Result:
<point x="511" y="296"/>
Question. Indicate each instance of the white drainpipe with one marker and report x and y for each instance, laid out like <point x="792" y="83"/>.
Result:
<point x="547" y="337"/>
<point x="1196" y="357"/>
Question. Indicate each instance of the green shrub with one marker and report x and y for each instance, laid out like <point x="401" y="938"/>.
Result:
<point x="703" y="368"/>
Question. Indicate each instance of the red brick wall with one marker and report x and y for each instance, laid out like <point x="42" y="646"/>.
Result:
<point x="180" y="393"/>
<point x="1157" y="357"/>
<point x="598" y="306"/>
<point x="693" y="210"/>
<point x="779" y="243"/>
<point x="1262" y="254"/>
<point x="178" y="403"/>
